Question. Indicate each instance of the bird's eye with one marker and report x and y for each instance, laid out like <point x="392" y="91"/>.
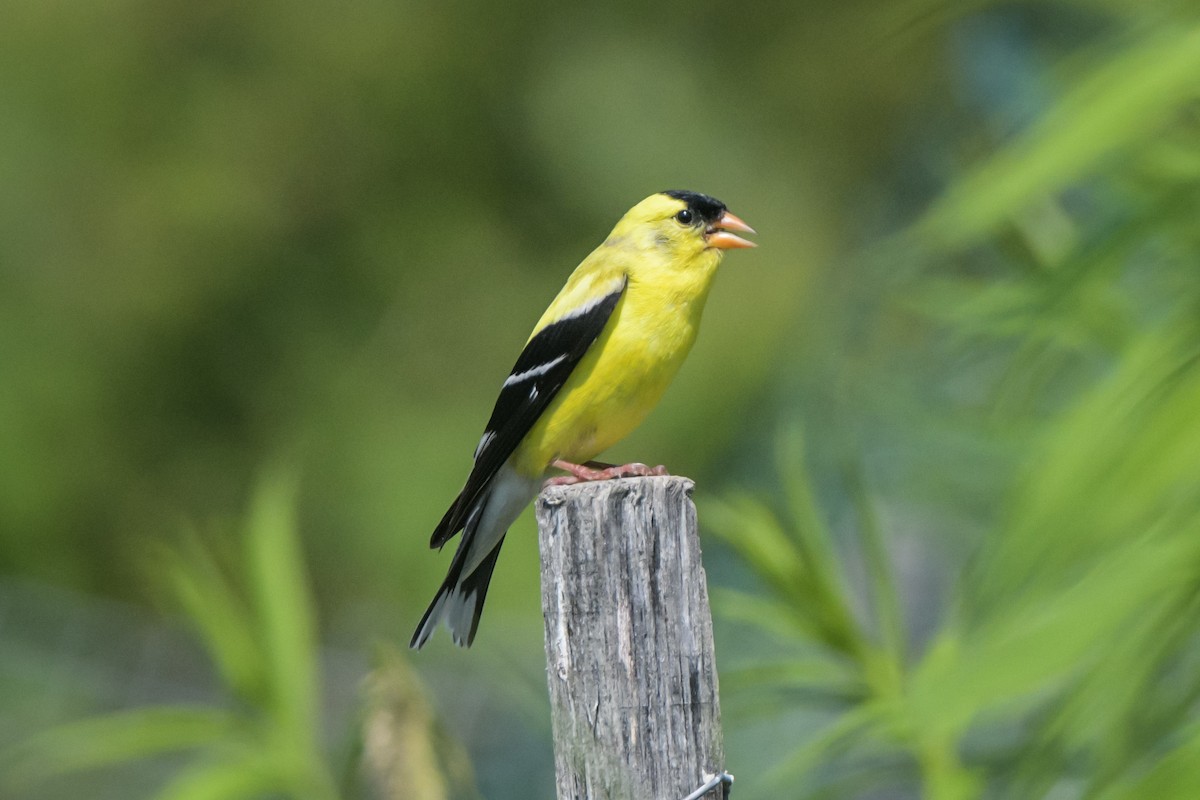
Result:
<point x="684" y="217"/>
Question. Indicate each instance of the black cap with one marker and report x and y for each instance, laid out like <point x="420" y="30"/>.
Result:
<point x="707" y="208"/>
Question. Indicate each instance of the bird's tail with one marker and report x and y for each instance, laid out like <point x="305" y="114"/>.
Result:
<point x="459" y="601"/>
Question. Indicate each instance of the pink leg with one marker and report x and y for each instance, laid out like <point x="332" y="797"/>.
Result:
<point x="593" y="471"/>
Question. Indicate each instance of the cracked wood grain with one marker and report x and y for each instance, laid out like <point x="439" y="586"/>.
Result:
<point x="629" y="651"/>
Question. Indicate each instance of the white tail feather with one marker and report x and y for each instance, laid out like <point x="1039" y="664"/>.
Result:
<point x="488" y="521"/>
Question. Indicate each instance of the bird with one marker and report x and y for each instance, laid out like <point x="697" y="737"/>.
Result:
<point x="597" y="362"/>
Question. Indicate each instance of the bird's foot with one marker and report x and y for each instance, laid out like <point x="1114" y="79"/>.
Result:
<point x="595" y="471"/>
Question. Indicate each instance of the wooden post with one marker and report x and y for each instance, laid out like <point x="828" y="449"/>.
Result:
<point x="629" y="650"/>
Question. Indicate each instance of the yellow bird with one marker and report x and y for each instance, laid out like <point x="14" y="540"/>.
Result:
<point x="595" y="365"/>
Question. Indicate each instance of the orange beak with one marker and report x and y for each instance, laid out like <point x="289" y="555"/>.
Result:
<point x="719" y="235"/>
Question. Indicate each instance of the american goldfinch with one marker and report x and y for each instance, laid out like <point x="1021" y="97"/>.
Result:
<point x="595" y="365"/>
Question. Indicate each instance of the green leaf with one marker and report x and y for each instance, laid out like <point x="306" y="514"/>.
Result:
<point x="1118" y="464"/>
<point x="757" y="535"/>
<point x="116" y="738"/>
<point x="782" y="681"/>
<point x="281" y="601"/>
<point x="1038" y="640"/>
<point x="1175" y="776"/>
<point x="889" y="612"/>
<point x="1121" y="101"/>
<point x="778" y="618"/>
<point x="855" y="728"/>
<point x="221" y="615"/>
<point x="227" y="777"/>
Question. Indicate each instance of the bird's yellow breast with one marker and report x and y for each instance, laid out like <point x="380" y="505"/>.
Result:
<point x="626" y="370"/>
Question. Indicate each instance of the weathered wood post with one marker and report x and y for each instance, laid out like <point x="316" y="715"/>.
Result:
<point x="629" y="650"/>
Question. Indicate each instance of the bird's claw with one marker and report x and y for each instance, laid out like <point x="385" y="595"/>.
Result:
<point x="580" y="473"/>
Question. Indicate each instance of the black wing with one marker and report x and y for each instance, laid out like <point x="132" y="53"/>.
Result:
<point x="541" y="370"/>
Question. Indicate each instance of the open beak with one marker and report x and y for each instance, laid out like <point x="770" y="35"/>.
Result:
<point x="719" y="234"/>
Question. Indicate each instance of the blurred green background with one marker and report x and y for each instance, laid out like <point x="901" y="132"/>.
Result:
<point x="264" y="266"/>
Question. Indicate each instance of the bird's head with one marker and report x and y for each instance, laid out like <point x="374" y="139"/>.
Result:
<point x="684" y="225"/>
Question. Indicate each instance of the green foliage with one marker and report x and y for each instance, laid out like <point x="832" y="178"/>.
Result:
<point x="838" y="658"/>
<point x="1117" y="106"/>
<point x="1070" y="624"/>
<point x="1063" y="663"/>
<point x="231" y="230"/>
<point x="268" y="742"/>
